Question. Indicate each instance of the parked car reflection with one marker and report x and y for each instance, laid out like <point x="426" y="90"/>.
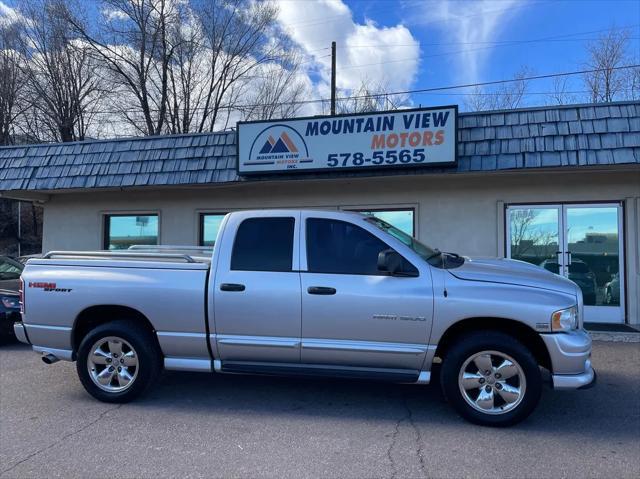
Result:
<point x="579" y="273"/>
<point x="612" y="290"/>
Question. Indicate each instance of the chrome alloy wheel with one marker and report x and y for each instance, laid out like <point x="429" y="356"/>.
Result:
<point x="492" y="382"/>
<point x="112" y="364"/>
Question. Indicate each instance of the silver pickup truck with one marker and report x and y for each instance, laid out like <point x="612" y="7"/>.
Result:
<point x="314" y="293"/>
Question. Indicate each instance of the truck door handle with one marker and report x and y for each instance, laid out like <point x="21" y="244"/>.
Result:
<point x="321" y="290"/>
<point x="231" y="287"/>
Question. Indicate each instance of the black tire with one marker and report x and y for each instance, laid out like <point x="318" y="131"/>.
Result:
<point x="471" y="344"/>
<point x="7" y="337"/>
<point x="149" y="359"/>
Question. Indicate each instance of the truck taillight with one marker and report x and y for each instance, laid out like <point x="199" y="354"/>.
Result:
<point x="21" y="291"/>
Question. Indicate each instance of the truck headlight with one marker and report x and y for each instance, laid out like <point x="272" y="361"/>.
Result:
<point x="565" y="319"/>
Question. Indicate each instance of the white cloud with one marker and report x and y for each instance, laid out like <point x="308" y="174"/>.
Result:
<point x="379" y="55"/>
<point x="113" y="14"/>
<point x="472" y="22"/>
<point x="8" y="15"/>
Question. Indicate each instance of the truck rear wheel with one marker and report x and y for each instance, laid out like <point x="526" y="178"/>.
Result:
<point x="118" y="361"/>
<point x="491" y="379"/>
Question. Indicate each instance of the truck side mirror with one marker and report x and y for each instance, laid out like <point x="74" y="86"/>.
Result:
<point x="389" y="261"/>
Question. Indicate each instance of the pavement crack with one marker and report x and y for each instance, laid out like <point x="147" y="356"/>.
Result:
<point x="394" y="440"/>
<point x="61" y="439"/>
<point x="419" y="442"/>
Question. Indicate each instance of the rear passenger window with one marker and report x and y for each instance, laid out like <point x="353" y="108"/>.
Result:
<point x="263" y="244"/>
<point x="343" y="248"/>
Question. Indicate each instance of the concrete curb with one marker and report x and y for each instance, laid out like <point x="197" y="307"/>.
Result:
<point x="611" y="337"/>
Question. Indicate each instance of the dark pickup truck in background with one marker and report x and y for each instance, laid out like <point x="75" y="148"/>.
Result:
<point x="10" y="271"/>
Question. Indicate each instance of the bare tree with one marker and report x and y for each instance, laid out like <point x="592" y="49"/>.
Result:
<point x="607" y="54"/>
<point x="506" y="96"/>
<point x="277" y="92"/>
<point x="561" y="94"/>
<point x="179" y="64"/>
<point x="369" y="96"/>
<point x="30" y="239"/>
<point x="12" y="84"/>
<point x="187" y="73"/>
<point x="62" y="79"/>
<point x="478" y="100"/>
<point x="633" y="82"/>
<point x="133" y="40"/>
<point x="237" y="42"/>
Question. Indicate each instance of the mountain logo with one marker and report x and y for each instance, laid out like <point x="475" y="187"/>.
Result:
<point x="278" y="145"/>
<point x="282" y="145"/>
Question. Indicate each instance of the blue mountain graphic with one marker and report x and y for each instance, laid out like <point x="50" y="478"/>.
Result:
<point x="266" y="148"/>
<point x="279" y="147"/>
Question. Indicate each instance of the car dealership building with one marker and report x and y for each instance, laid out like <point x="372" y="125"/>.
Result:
<point x="555" y="186"/>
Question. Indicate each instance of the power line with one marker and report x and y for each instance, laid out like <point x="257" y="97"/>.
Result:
<point x="506" y="43"/>
<point x="535" y="77"/>
<point x="404" y="92"/>
<point x="526" y="93"/>
<point x="554" y="38"/>
<point x="490" y="46"/>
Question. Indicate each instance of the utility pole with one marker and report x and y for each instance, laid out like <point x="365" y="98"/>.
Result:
<point x="333" y="78"/>
<point x="19" y="228"/>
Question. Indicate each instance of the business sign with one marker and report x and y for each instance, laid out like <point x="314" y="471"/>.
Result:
<point x="419" y="137"/>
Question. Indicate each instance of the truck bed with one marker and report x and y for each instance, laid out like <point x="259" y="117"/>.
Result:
<point x="168" y="288"/>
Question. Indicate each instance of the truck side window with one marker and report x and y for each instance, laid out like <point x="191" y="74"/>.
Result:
<point x="342" y="248"/>
<point x="263" y="244"/>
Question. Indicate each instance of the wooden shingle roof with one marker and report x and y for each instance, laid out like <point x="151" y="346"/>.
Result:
<point x="569" y="136"/>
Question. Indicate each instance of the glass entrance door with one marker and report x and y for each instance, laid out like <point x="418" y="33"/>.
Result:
<point x="593" y="259"/>
<point x="580" y="241"/>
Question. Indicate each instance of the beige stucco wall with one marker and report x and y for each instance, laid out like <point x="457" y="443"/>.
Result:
<point x="462" y="213"/>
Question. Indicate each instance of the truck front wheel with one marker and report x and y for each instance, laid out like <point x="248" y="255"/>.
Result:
<point x="118" y="361"/>
<point x="491" y="379"/>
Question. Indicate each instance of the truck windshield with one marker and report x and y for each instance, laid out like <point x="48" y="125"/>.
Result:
<point x="424" y="251"/>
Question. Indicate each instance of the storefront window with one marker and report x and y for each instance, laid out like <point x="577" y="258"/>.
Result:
<point x="401" y="219"/>
<point x="123" y="231"/>
<point x="209" y="226"/>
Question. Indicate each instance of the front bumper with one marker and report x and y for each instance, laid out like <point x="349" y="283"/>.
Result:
<point x="585" y="380"/>
<point x="570" y="355"/>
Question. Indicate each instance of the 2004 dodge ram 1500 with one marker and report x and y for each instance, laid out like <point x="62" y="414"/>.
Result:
<point x="315" y="293"/>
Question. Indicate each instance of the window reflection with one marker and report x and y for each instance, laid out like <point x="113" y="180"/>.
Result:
<point x="401" y="219"/>
<point x="592" y="236"/>
<point x="123" y="231"/>
<point x="578" y="241"/>
<point x="209" y="226"/>
<point x="534" y="236"/>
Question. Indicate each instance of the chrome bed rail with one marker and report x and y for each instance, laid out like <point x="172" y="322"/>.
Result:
<point x="118" y="255"/>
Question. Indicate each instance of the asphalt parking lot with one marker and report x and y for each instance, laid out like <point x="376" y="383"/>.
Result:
<point x="194" y="425"/>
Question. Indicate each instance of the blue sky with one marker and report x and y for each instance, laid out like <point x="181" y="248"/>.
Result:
<point x="449" y="32"/>
<point x="412" y="44"/>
